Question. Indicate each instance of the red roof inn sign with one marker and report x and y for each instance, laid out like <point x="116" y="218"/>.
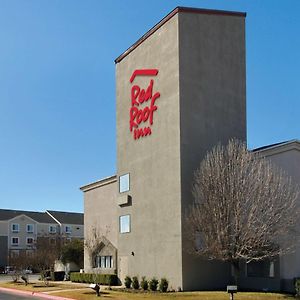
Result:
<point x="141" y="116"/>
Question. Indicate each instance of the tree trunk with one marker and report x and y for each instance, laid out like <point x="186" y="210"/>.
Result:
<point x="235" y="264"/>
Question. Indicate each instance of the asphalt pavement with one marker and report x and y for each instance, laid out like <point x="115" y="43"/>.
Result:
<point x="13" y="296"/>
<point x="7" y="278"/>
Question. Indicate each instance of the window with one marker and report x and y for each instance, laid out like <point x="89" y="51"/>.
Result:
<point x="15" y="241"/>
<point x="15" y="227"/>
<point x="29" y="241"/>
<point x="52" y="229"/>
<point x="68" y="229"/>
<point x="30" y="228"/>
<point x="124" y="183"/>
<point x="104" y="262"/>
<point x="125" y="224"/>
<point x="263" y="268"/>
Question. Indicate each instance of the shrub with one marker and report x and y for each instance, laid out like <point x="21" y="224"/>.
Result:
<point x="163" y="285"/>
<point x="144" y="283"/>
<point x="135" y="283"/>
<point x="127" y="282"/>
<point x="153" y="284"/>
<point x="105" y="279"/>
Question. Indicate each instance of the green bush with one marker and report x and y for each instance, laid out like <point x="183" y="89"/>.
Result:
<point x="153" y="284"/>
<point x="127" y="282"/>
<point x="144" y="283"/>
<point x="297" y="286"/>
<point x="163" y="285"/>
<point x="105" y="279"/>
<point x="135" y="283"/>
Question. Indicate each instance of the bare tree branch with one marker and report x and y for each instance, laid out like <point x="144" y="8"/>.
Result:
<point x="245" y="207"/>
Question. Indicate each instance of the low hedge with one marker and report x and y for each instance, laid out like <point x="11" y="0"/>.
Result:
<point x="105" y="279"/>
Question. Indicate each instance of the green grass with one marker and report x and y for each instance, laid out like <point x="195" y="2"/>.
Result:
<point x="113" y="295"/>
<point x="81" y="292"/>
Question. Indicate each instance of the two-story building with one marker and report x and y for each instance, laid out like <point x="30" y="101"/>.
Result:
<point x="20" y="230"/>
<point x="180" y="90"/>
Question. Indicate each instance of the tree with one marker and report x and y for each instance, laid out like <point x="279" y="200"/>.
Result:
<point x="73" y="252"/>
<point x="20" y="261"/>
<point x="245" y="208"/>
<point x="47" y="250"/>
<point x="95" y="241"/>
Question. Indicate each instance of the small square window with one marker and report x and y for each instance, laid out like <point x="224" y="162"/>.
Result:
<point x="29" y="241"/>
<point x="125" y="224"/>
<point x="15" y="241"/>
<point x="124" y="183"/>
<point x="15" y="227"/>
<point x="30" y="228"/>
<point x="52" y="229"/>
<point x="68" y="229"/>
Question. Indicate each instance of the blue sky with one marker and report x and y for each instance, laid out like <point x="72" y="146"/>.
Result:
<point x="57" y="87"/>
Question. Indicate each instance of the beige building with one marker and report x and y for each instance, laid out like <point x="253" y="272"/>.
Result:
<point x="19" y="230"/>
<point x="278" y="275"/>
<point x="180" y="90"/>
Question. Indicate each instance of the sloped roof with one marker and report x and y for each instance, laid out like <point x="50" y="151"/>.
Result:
<point x="99" y="183"/>
<point x="276" y="145"/>
<point x="66" y="217"/>
<point x="41" y="217"/>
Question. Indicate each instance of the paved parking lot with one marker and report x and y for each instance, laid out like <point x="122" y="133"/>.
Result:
<point x="7" y="278"/>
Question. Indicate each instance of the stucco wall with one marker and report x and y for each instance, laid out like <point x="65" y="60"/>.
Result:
<point x="22" y="220"/>
<point x="43" y="229"/>
<point x="152" y="248"/>
<point x="289" y="160"/>
<point x="212" y="110"/>
<point x="100" y="209"/>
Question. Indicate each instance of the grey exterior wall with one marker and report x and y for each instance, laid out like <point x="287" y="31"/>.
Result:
<point x="100" y="209"/>
<point x="212" y="111"/>
<point x="201" y="79"/>
<point x="22" y="220"/>
<point x="3" y="243"/>
<point x="3" y="251"/>
<point x="153" y="162"/>
<point x="287" y="157"/>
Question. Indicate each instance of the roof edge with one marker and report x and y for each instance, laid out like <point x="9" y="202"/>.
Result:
<point x="277" y="146"/>
<point x="98" y="183"/>
<point x="50" y="215"/>
<point x="169" y="16"/>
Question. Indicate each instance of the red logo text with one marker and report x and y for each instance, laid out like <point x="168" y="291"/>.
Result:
<point x="143" y="104"/>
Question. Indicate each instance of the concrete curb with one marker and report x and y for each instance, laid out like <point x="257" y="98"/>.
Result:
<point x="33" y="294"/>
